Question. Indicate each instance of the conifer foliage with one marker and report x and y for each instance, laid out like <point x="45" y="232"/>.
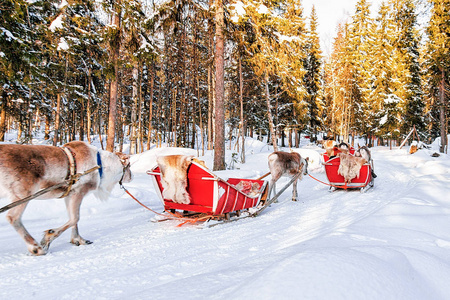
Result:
<point x="172" y="72"/>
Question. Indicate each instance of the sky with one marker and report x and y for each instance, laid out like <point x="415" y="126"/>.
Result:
<point x="330" y="13"/>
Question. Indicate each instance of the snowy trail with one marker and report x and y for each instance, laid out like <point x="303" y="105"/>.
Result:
<point x="388" y="243"/>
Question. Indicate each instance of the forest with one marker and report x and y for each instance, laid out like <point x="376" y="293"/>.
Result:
<point x="200" y="74"/>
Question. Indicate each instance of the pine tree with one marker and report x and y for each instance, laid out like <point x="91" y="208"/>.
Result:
<point x="313" y="76"/>
<point x="114" y="38"/>
<point x="81" y="33"/>
<point x="407" y="45"/>
<point x="384" y="102"/>
<point x="277" y="54"/>
<point x="219" y="132"/>
<point x="360" y="37"/>
<point x="340" y="88"/>
<point x="14" y="57"/>
<point x="438" y="65"/>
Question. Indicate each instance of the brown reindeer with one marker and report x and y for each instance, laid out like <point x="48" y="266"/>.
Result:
<point x="27" y="169"/>
<point x="289" y="164"/>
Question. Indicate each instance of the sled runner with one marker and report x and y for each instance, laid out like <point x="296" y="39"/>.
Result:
<point x="363" y="182"/>
<point x="212" y="198"/>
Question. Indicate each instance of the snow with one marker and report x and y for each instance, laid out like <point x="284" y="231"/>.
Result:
<point x="8" y="34"/>
<point x="237" y="11"/>
<point x="392" y="242"/>
<point x="262" y="9"/>
<point x="62" y="45"/>
<point x="57" y="23"/>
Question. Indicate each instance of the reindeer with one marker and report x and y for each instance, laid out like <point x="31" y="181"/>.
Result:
<point x="27" y="169"/>
<point x="364" y="152"/>
<point x="289" y="164"/>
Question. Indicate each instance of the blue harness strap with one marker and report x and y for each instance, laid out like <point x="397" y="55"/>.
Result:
<point x="99" y="163"/>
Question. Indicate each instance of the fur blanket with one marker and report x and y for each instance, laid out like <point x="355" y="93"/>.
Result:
<point x="350" y="166"/>
<point x="174" y="177"/>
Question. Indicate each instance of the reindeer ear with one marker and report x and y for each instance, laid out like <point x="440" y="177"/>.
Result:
<point x="124" y="158"/>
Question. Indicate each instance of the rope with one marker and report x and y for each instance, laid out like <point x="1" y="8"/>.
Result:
<point x="170" y="216"/>
<point x="336" y="186"/>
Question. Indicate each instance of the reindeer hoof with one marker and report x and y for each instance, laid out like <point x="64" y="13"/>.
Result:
<point x="37" y="250"/>
<point x="80" y="241"/>
<point x="294" y="199"/>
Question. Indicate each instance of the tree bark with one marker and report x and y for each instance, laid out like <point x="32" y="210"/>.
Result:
<point x="219" y="133"/>
<point x="114" y="88"/>
<point x="134" y="108"/>
<point x="269" y="114"/>
<point x="3" y="117"/>
<point x="442" y="114"/>
<point x="150" y="108"/>
<point x="58" y="110"/>
<point x="241" y="100"/>
<point x="88" y="109"/>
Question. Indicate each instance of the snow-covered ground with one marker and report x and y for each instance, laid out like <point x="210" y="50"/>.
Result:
<point x="392" y="242"/>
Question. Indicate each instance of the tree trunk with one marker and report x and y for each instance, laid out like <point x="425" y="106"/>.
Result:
<point x="134" y="108"/>
<point x="219" y="133"/>
<point x="269" y="114"/>
<point x="442" y="114"/>
<point x="241" y="100"/>
<point x="88" y="109"/>
<point x="47" y="127"/>
<point x="114" y="88"/>
<point x="210" y="126"/>
<point x="140" y="123"/>
<point x="150" y="108"/>
<point x="82" y="115"/>
<point x="57" y="113"/>
<point x="3" y="117"/>
<point x="210" y="109"/>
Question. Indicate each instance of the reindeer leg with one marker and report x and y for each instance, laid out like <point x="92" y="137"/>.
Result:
<point x="270" y="188"/>
<point x="73" y="208"/>
<point x="273" y="187"/>
<point x="74" y="212"/>
<point x="294" y="190"/>
<point x="14" y="217"/>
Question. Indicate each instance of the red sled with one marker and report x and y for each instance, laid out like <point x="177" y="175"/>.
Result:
<point x="363" y="182"/>
<point x="211" y="195"/>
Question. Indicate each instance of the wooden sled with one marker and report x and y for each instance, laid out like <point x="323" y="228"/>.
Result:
<point x="363" y="182"/>
<point x="212" y="198"/>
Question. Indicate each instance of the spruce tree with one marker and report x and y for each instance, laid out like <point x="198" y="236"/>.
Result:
<point x="312" y="77"/>
<point x="360" y="49"/>
<point x="438" y="66"/>
<point x="407" y="45"/>
<point x="384" y="102"/>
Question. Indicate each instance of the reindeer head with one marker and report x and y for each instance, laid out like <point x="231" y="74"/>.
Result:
<point x="125" y="160"/>
<point x="304" y="165"/>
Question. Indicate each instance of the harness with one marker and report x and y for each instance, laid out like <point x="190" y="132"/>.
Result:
<point x="123" y="172"/>
<point x="99" y="163"/>
<point x="72" y="175"/>
<point x="71" y="170"/>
